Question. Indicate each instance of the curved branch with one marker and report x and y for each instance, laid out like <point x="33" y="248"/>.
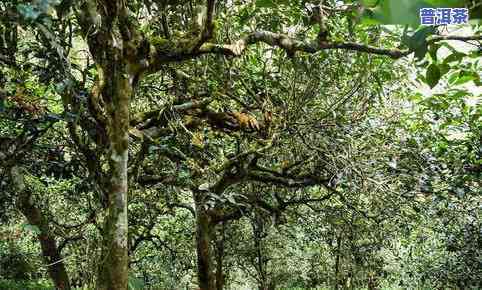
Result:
<point x="35" y="216"/>
<point x="289" y="44"/>
<point x="292" y="45"/>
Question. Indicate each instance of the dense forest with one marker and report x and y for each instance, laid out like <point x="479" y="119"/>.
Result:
<point x="240" y="144"/>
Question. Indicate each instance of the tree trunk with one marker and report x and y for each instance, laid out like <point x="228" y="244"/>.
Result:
<point x="50" y="251"/>
<point x="258" y="234"/>
<point x="114" y="50"/>
<point x="337" y="262"/>
<point x="219" y="260"/>
<point x="205" y="267"/>
<point x="113" y="271"/>
<point x="116" y="88"/>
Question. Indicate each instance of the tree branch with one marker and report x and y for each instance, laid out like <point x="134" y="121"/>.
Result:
<point x="287" y="181"/>
<point x="289" y="44"/>
<point x="207" y="31"/>
<point x="8" y="60"/>
<point x="437" y="38"/>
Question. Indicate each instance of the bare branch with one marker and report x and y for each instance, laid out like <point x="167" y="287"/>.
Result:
<point x="287" y="181"/>
<point x="242" y="156"/>
<point x="437" y="38"/>
<point x="292" y="45"/>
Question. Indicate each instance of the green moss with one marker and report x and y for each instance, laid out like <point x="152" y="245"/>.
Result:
<point x="157" y="40"/>
<point x="179" y="44"/>
<point x="161" y="43"/>
<point x="216" y="26"/>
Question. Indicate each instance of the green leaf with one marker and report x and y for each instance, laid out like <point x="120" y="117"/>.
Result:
<point x="31" y="228"/>
<point x="272" y="3"/>
<point x="405" y="38"/>
<point x="445" y="3"/>
<point x="463" y="79"/>
<point x="433" y="75"/>
<point x="418" y="41"/>
<point x="444" y="68"/>
<point x="417" y="97"/>
<point x="264" y="3"/>
<point x="453" y="77"/>
<point x="421" y="51"/>
<point x="370" y="3"/>
<point x="433" y="51"/>
<point x="420" y="36"/>
<point x="244" y="16"/>
<point x="455" y="56"/>
<point x="135" y="283"/>
<point x="395" y="11"/>
<point x="371" y="17"/>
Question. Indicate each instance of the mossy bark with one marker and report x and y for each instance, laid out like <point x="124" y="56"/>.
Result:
<point x="220" y="276"/>
<point x="50" y="252"/>
<point x="114" y="46"/>
<point x="117" y="89"/>
<point x="204" y="227"/>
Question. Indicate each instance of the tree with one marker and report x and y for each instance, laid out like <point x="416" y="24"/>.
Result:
<point x="107" y="115"/>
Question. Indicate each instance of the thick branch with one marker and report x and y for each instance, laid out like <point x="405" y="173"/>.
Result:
<point x="292" y="45"/>
<point x="289" y="44"/>
<point x="207" y="31"/>
<point x="195" y="115"/>
<point x="144" y="117"/>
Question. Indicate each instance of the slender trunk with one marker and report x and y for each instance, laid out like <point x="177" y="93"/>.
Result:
<point x="337" y="262"/>
<point x="50" y="251"/>
<point x="205" y="267"/>
<point x="219" y="260"/>
<point x="372" y="282"/>
<point x="258" y="229"/>
<point x="114" y="264"/>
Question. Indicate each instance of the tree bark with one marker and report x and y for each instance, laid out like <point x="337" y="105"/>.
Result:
<point x="115" y="45"/>
<point x="337" y="261"/>
<point x="204" y="226"/>
<point x="258" y="229"/>
<point x="113" y="269"/>
<point x="50" y="251"/>
<point x="219" y="260"/>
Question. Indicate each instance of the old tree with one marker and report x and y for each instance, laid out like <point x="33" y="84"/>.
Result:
<point x="229" y="144"/>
